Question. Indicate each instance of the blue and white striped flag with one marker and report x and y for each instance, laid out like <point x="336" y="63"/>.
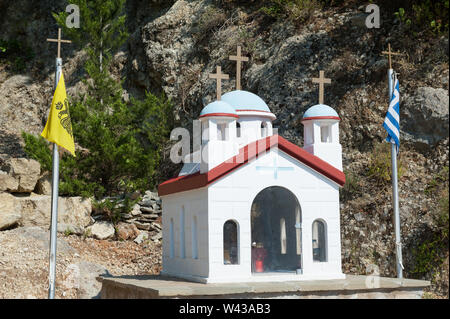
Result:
<point x="392" y="119"/>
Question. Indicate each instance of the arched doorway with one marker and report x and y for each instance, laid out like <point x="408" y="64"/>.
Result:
<point x="276" y="231"/>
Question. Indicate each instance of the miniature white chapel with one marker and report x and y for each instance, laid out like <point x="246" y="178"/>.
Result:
<point x="256" y="207"/>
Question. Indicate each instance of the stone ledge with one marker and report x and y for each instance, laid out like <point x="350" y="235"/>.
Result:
<point x="350" y="287"/>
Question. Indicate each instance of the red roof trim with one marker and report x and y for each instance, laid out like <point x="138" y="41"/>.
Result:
<point x="247" y="153"/>
<point x="220" y="114"/>
<point x="321" y="118"/>
<point x="250" y="110"/>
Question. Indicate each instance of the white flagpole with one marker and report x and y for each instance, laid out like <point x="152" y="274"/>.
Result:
<point x="398" y="244"/>
<point x="54" y="221"/>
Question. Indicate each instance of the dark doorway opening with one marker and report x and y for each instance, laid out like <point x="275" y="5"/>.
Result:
<point x="276" y="231"/>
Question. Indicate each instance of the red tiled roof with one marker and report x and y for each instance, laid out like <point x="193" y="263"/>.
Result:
<point x="246" y="154"/>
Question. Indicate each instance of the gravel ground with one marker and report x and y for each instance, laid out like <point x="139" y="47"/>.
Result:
<point x="24" y="263"/>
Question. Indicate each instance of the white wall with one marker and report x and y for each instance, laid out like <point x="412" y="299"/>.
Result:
<point x="195" y="203"/>
<point x="232" y="197"/>
<point x="251" y="129"/>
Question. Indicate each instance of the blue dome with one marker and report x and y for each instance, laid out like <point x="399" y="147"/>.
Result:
<point x="320" y="110"/>
<point x="218" y="108"/>
<point x="245" y="101"/>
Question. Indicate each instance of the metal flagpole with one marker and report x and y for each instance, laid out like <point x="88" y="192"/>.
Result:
<point x="398" y="244"/>
<point x="55" y="185"/>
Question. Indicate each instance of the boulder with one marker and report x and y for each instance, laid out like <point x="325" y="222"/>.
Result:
<point x="36" y="210"/>
<point x="7" y="182"/>
<point x="44" y="184"/>
<point x="70" y="229"/>
<point x="425" y="116"/>
<point x="101" y="230"/>
<point x="83" y="277"/>
<point x="127" y="231"/>
<point x="25" y="171"/>
<point x="9" y="212"/>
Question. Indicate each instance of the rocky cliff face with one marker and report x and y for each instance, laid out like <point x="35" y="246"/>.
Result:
<point x="174" y="45"/>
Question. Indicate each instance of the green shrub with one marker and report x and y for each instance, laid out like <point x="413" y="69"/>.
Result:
<point x="429" y="15"/>
<point x="431" y="253"/>
<point x="351" y="187"/>
<point x="437" y="180"/>
<point x="295" y="10"/>
<point x="380" y="165"/>
<point x="118" y="143"/>
<point x="39" y="149"/>
<point x="16" y="54"/>
<point x="113" y="208"/>
<point x="122" y="147"/>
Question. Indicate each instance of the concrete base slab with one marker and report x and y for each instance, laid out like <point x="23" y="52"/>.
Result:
<point x="279" y="276"/>
<point x="362" y="287"/>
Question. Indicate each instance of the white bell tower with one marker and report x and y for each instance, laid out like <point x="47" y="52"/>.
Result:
<point x="321" y="134"/>
<point x="219" y="142"/>
<point x="321" y="129"/>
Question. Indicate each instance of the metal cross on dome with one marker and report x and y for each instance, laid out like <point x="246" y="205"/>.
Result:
<point x="275" y="168"/>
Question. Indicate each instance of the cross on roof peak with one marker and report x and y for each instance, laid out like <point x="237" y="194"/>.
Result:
<point x="389" y="53"/>
<point x="321" y="80"/>
<point x="219" y="76"/>
<point x="239" y="59"/>
<point x="59" y="40"/>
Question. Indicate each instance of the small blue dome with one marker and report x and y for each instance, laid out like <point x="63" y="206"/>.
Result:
<point x="320" y="110"/>
<point x="245" y="101"/>
<point x="218" y="108"/>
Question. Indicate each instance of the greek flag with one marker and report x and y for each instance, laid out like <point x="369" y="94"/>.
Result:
<point x="392" y="119"/>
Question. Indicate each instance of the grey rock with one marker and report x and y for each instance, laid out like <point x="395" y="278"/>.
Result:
<point x="142" y="226"/>
<point x="425" y="116"/>
<point x="359" y="217"/>
<point x="145" y="203"/>
<point x="136" y="211"/>
<point x="155" y="225"/>
<point x="152" y="195"/>
<point x="44" y="184"/>
<point x="157" y="237"/>
<point x="143" y="235"/>
<point x="147" y="210"/>
<point x="9" y="211"/>
<point x="7" y="182"/>
<point x="83" y="277"/>
<point x="101" y="230"/>
<point x="359" y="20"/>
<point x="72" y="229"/>
<point x="36" y="210"/>
<point x="24" y="171"/>
<point x="126" y="231"/>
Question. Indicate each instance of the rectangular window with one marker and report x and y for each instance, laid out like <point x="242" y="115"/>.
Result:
<point x="172" y="239"/>
<point x="182" y="236"/>
<point x="221" y="131"/>
<point x="283" y="235"/>
<point x="194" y="238"/>
<point x="325" y="134"/>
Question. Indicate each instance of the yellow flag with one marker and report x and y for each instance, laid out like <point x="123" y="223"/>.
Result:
<point x="59" y="127"/>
